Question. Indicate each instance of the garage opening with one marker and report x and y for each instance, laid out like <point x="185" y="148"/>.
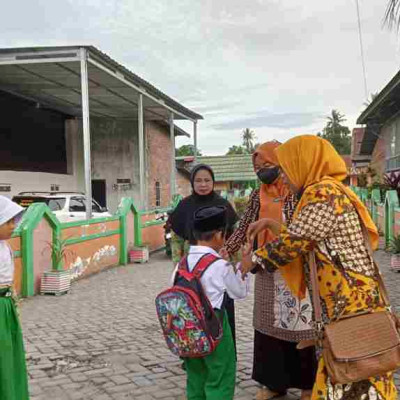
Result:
<point x="32" y="138"/>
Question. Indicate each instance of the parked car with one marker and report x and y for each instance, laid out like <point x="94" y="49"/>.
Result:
<point x="67" y="206"/>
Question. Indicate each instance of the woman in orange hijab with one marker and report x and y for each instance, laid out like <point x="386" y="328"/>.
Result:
<point x="328" y="220"/>
<point x="281" y="318"/>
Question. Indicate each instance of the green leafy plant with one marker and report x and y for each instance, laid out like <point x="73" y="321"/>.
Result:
<point x="59" y="251"/>
<point x="394" y="245"/>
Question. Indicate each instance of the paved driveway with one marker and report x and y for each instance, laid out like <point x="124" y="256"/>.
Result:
<point x="102" y="340"/>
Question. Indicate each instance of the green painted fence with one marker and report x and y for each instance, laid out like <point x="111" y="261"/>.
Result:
<point x="38" y="213"/>
<point x="385" y="213"/>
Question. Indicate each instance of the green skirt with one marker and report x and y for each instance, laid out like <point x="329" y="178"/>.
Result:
<point x="13" y="376"/>
<point x="213" y="377"/>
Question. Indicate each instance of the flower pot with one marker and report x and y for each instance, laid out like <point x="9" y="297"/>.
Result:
<point x="139" y="254"/>
<point x="55" y="282"/>
<point x="395" y="262"/>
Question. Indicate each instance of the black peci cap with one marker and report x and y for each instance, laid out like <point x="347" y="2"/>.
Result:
<point x="207" y="219"/>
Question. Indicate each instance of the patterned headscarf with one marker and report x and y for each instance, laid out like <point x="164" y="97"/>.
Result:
<point x="307" y="160"/>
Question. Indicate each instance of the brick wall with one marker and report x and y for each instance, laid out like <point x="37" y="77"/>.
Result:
<point x="378" y="160"/>
<point x="158" y="166"/>
<point x="183" y="186"/>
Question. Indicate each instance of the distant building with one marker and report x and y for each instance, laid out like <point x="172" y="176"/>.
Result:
<point x="381" y="124"/>
<point x="233" y="173"/>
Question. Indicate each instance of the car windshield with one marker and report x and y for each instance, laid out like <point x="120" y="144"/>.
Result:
<point x="55" y="204"/>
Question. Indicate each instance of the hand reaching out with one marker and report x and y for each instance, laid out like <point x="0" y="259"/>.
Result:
<point x="247" y="264"/>
<point x="224" y="254"/>
<point x="261" y="225"/>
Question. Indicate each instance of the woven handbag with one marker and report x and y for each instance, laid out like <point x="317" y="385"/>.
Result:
<point x="357" y="346"/>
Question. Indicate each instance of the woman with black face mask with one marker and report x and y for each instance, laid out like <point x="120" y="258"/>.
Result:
<point x="281" y="319"/>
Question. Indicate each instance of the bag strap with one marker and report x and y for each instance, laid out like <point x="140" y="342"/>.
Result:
<point x="201" y="266"/>
<point x="315" y="289"/>
<point x="183" y="264"/>
<point x="204" y="262"/>
<point x="314" y="277"/>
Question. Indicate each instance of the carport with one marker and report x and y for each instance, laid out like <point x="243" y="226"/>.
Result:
<point x="82" y="81"/>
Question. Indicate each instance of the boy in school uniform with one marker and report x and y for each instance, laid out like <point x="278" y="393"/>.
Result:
<point x="213" y="377"/>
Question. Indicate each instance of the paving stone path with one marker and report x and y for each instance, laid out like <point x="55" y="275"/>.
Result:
<point x="102" y="340"/>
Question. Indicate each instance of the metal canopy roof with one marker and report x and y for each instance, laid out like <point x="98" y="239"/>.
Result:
<point x="50" y="76"/>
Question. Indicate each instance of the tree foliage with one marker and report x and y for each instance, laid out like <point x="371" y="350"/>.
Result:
<point x="248" y="138"/>
<point x="236" y="150"/>
<point x="371" y="98"/>
<point x="248" y="146"/>
<point x="336" y="133"/>
<point x="187" y="150"/>
<point x="392" y="14"/>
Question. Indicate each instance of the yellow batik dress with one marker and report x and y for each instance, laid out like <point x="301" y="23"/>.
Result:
<point x="329" y="224"/>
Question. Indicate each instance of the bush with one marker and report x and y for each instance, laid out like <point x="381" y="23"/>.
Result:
<point x="394" y="245"/>
<point x="240" y="205"/>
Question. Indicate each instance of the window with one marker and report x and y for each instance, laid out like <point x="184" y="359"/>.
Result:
<point x="391" y="133"/>
<point x="95" y="207"/>
<point x="56" y="204"/>
<point x="158" y="194"/>
<point x="77" y="204"/>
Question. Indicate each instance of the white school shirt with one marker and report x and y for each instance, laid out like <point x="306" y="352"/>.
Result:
<point x="6" y="264"/>
<point x="219" y="277"/>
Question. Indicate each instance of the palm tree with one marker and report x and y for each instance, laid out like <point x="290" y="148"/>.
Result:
<point x="371" y="99"/>
<point x="248" y="137"/>
<point x="392" y="14"/>
<point x="335" y="120"/>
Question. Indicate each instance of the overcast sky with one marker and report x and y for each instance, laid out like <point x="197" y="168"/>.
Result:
<point x="277" y="67"/>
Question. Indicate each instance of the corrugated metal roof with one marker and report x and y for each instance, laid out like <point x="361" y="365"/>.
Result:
<point x="385" y="104"/>
<point x="383" y="107"/>
<point x="230" y="168"/>
<point x="51" y="76"/>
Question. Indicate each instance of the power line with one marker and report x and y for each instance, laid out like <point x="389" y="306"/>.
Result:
<point x="362" y="50"/>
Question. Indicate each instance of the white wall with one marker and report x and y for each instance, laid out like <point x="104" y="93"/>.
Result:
<point x="35" y="181"/>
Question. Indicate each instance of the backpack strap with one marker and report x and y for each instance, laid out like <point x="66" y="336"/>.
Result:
<point x="183" y="264"/>
<point x="202" y="265"/>
<point x="204" y="262"/>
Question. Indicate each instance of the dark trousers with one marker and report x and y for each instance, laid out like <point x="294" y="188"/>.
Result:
<point x="279" y="366"/>
<point x="230" y="310"/>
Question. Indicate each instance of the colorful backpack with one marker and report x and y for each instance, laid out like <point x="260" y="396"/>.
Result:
<point x="190" y="326"/>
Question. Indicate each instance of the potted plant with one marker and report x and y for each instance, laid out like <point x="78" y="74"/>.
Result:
<point x="139" y="254"/>
<point x="58" y="280"/>
<point x="392" y="181"/>
<point x="395" y="249"/>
